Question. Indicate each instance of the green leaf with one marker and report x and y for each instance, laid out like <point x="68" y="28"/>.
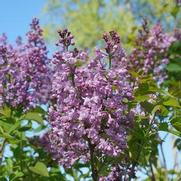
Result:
<point x="40" y="169"/>
<point x="142" y="98"/>
<point x="133" y="73"/>
<point x="24" y="128"/>
<point x="161" y="110"/>
<point x="7" y="136"/>
<point x="175" y="11"/>
<point x="172" y="102"/>
<point x="175" y="120"/>
<point x="173" y="67"/>
<point x="174" y="132"/>
<point x="142" y="89"/>
<point x="33" y="116"/>
<point x="6" y="126"/>
<point x="147" y="106"/>
<point x="14" y="127"/>
<point x="163" y="127"/>
<point x="5" y="111"/>
<point x="38" y="110"/>
<point x="177" y="126"/>
<point x="17" y="175"/>
<point x="176" y="123"/>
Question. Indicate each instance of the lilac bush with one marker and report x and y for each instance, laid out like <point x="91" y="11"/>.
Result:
<point x="91" y="100"/>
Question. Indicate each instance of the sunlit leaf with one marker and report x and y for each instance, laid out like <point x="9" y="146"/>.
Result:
<point x="172" y="102"/>
<point x="40" y="169"/>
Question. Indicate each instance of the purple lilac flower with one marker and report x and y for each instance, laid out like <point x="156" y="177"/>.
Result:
<point x="88" y="105"/>
<point x="24" y="73"/>
<point x="151" y="47"/>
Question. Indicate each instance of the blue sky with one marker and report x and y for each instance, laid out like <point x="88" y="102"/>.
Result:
<point x="16" y="15"/>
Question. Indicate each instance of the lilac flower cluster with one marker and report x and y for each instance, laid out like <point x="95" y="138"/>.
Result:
<point x="89" y="110"/>
<point x="114" y="175"/>
<point x="151" y="47"/>
<point x="23" y="70"/>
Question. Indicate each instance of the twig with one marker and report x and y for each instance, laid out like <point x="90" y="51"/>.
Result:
<point x="109" y="61"/>
<point x="94" y="170"/>
<point x="2" y="150"/>
<point x="163" y="156"/>
<point x="152" y="172"/>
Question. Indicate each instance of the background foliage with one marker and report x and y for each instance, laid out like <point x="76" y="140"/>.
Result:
<point x="88" y="20"/>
